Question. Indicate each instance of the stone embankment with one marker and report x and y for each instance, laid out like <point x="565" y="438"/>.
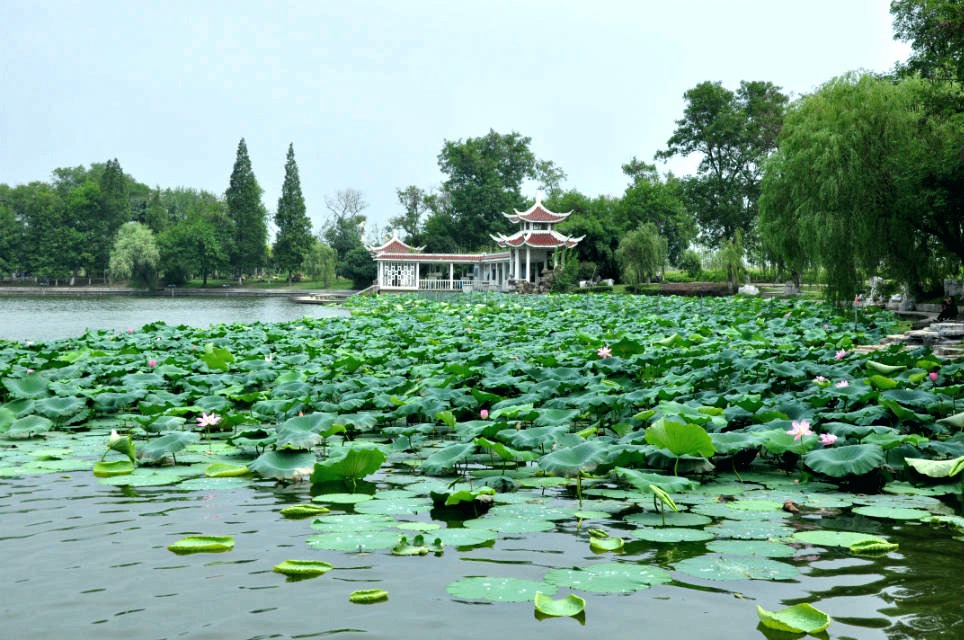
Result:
<point x="943" y="338"/>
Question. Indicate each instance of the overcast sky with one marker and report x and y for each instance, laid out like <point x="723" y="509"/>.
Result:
<point x="368" y="91"/>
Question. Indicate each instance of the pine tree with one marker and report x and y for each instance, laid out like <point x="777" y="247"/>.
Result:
<point x="294" y="239"/>
<point x="248" y="215"/>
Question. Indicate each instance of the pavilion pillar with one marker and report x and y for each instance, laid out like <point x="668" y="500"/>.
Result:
<point x="452" y="276"/>
<point x="518" y="265"/>
<point x="381" y="274"/>
<point x="529" y="264"/>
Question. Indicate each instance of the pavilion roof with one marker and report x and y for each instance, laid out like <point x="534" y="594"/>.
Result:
<point x="546" y="238"/>
<point x="537" y="213"/>
<point x="394" y="245"/>
<point x="454" y="258"/>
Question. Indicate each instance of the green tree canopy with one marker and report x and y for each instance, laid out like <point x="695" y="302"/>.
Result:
<point x="414" y="204"/>
<point x="648" y="198"/>
<point x="135" y="255"/>
<point x="935" y="30"/>
<point x="641" y="254"/>
<point x="733" y="132"/>
<point x="294" y="239"/>
<point x="249" y="217"/>
<point x="855" y="186"/>
<point x="485" y="177"/>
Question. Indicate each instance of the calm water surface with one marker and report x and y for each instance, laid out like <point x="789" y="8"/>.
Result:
<point x="53" y="317"/>
<point x="87" y="560"/>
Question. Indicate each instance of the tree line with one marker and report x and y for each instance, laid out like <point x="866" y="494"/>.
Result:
<point x="862" y="177"/>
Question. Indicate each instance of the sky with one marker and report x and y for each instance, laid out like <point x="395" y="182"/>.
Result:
<point x="368" y="91"/>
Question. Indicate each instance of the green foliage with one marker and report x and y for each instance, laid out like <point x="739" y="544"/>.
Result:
<point x="135" y="255"/>
<point x="294" y="240"/>
<point x="319" y="263"/>
<point x="855" y="138"/>
<point x="734" y="132"/>
<point x="691" y="263"/>
<point x="248" y="250"/>
<point x="641" y="254"/>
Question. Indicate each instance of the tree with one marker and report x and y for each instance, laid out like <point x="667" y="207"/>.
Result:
<point x="41" y="211"/>
<point x="345" y="226"/>
<point x="733" y="133"/>
<point x="485" y="177"/>
<point x="294" y="239"/>
<point x="320" y="262"/>
<point x="935" y="29"/>
<point x="197" y="242"/>
<point x="649" y="199"/>
<point x="414" y="203"/>
<point x="863" y="185"/>
<point x="358" y="267"/>
<point x="135" y="255"/>
<point x="11" y="234"/>
<point x="593" y="219"/>
<point x="641" y="254"/>
<point x="249" y="217"/>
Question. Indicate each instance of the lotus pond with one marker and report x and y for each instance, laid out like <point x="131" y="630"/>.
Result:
<point x="552" y="466"/>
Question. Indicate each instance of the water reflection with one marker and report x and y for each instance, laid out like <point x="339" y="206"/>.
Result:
<point x="93" y="554"/>
<point x="54" y="317"/>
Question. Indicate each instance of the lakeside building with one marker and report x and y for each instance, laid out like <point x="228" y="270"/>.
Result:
<point x="528" y="251"/>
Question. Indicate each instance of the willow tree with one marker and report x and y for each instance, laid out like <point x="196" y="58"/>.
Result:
<point x="843" y="190"/>
<point x="641" y="254"/>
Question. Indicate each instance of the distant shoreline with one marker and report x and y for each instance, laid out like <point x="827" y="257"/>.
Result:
<point x="210" y="292"/>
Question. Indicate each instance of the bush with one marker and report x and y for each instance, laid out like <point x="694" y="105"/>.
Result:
<point x="691" y="264"/>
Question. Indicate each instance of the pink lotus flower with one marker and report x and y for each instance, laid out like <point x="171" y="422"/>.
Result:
<point x="29" y="370"/>
<point x="152" y="362"/>
<point x="843" y="384"/>
<point x="208" y="420"/>
<point x="604" y="352"/>
<point x="129" y="330"/>
<point x="787" y="314"/>
<point x="820" y="380"/>
<point x="933" y="376"/>
<point x="826" y="327"/>
<point x="800" y="429"/>
<point x="827" y="439"/>
<point x="840" y="355"/>
<point x="484" y="413"/>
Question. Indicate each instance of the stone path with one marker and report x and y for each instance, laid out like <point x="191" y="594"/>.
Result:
<point x="944" y="339"/>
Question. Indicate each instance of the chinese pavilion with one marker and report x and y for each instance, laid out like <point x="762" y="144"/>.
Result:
<point x="528" y="251"/>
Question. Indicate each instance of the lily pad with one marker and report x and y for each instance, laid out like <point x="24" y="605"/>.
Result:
<point x="106" y="469"/>
<point x="348" y="522"/>
<point x="510" y="524"/>
<point x="892" y="513"/>
<point x="571" y="605"/>
<point x="605" y="544"/>
<point x="368" y="596"/>
<point x="750" y="530"/>
<point x="296" y="511"/>
<point x="497" y="589"/>
<point x="834" y="538"/>
<point x="800" y="618"/>
<point x="342" y="498"/>
<point x="609" y="577"/>
<point x="356" y="541"/>
<point x="711" y="567"/>
<point x="764" y="548"/>
<point x="671" y="534"/>
<point x="202" y="544"/>
<point x="673" y="519"/>
<point x="458" y="537"/>
<point x="303" y="568"/>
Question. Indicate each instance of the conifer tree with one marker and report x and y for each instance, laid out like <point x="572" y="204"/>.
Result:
<point x="294" y="240"/>
<point x="248" y="215"/>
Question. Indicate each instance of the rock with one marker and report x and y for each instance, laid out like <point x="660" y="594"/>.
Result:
<point x="748" y="290"/>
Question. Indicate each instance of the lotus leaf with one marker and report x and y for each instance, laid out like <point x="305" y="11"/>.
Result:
<point x="29" y="426"/>
<point x="225" y="470"/>
<point x="496" y="589"/>
<point x="835" y="538"/>
<point x="571" y="605"/>
<point x="672" y="519"/>
<point x="873" y="547"/>
<point x="892" y="513"/>
<point x="303" y="568"/>
<point x="63" y="410"/>
<point x="510" y="524"/>
<point x="764" y="548"/>
<point x="712" y="567"/>
<point x="750" y="529"/>
<point x="202" y="544"/>
<point x="217" y="358"/>
<point x="671" y="534"/>
<point x="113" y="468"/>
<point x="937" y="468"/>
<point x="610" y="577"/>
<point x="680" y="438"/>
<point x="837" y="462"/>
<point x="350" y="463"/>
<point x="465" y="537"/>
<point x="395" y="506"/>
<point x="32" y="385"/>
<point x="447" y="458"/>
<point x="956" y="420"/>
<point x="282" y="465"/>
<point x="297" y="511"/>
<point x="159" y="448"/>
<point x="354" y="541"/>
<point x="800" y="618"/>
<point x="342" y="498"/>
<point x="605" y="544"/>
<point x="349" y="522"/>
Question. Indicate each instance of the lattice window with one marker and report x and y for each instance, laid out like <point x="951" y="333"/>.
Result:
<point x="400" y="275"/>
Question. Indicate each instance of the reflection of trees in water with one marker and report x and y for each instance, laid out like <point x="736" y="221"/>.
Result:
<point x="920" y="582"/>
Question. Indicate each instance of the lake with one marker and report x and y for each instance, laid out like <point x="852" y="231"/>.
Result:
<point x="52" y="317"/>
